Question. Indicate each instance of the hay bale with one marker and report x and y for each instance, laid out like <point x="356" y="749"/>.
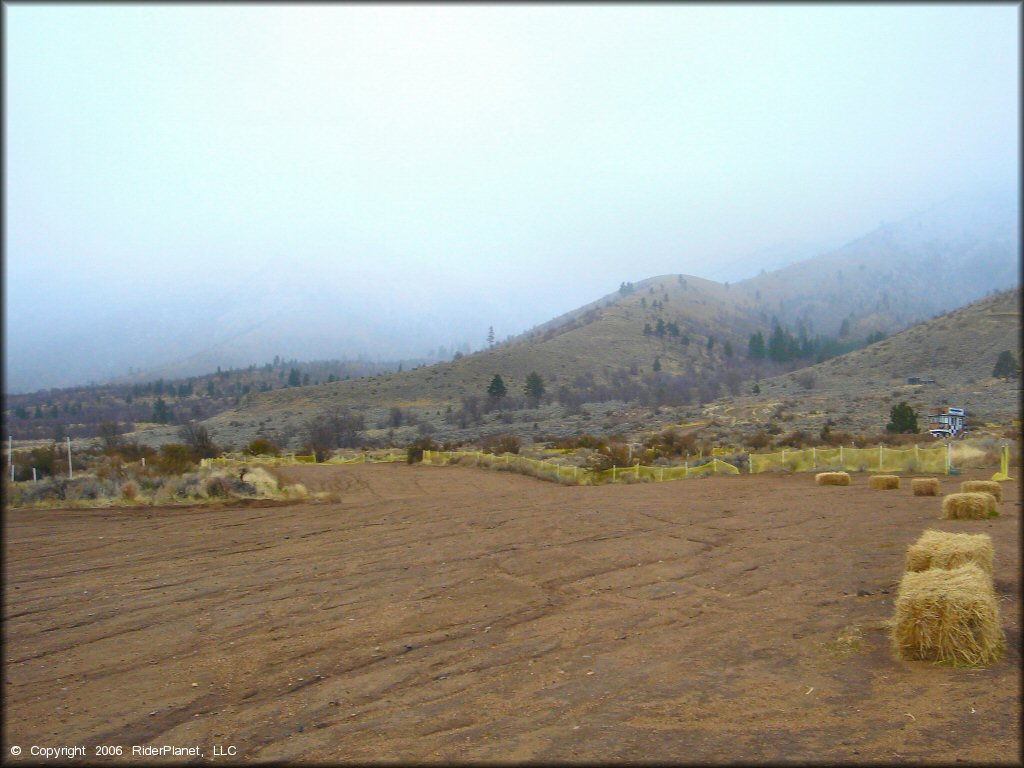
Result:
<point x="937" y="549"/>
<point x="832" y="478"/>
<point x="969" y="506"/>
<point x="885" y="482"/>
<point x="949" y="616"/>
<point x="925" y="486"/>
<point x="982" y="486"/>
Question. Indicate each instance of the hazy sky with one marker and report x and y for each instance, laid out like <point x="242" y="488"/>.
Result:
<point x="484" y="147"/>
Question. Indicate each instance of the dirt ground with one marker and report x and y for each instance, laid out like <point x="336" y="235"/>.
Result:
<point x="457" y="614"/>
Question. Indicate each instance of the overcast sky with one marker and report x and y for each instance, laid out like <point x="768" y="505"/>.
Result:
<point x="476" y="147"/>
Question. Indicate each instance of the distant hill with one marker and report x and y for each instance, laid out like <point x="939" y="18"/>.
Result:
<point x="856" y="391"/>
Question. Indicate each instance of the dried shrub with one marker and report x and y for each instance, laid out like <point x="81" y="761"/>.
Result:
<point x="296" y="491"/>
<point x="175" y="459"/>
<point x="129" y="491"/>
<point x="261" y="447"/>
<point x="90" y="489"/>
<point x="414" y="451"/>
<point x="260" y="481"/>
<point x="49" y="489"/>
<point x="218" y="487"/>
<point x="758" y="440"/>
<point x="670" y="443"/>
<point x="501" y="443"/>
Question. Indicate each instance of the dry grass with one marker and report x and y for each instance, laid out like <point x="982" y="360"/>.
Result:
<point x="925" y="486"/>
<point x="949" y="616"/>
<point x="885" y="482"/>
<point x="832" y="478"/>
<point x="937" y="549"/>
<point x="982" y="486"/>
<point x="969" y="506"/>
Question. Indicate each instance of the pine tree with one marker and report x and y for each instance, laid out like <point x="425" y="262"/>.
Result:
<point x="161" y="413"/>
<point x="534" y="387"/>
<point x="902" y="419"/>
<point x="1006" y="367"/>
<point x="496" y="389"/>
<point x="777" y="344"/>
<point x="490" y="336"/>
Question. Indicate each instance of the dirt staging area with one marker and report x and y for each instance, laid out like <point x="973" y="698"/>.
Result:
<point x="457" y="614"/>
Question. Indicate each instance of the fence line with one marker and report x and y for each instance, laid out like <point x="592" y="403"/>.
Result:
<point x="933" y="459"/>
<point x="579" y="475"/>
<point x="368" y="457"/>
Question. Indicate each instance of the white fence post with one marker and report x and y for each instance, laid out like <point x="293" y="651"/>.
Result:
<point x="71" y="472"/>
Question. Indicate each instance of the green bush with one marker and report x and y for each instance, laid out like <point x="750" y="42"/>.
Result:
<point x="902" y="419"/>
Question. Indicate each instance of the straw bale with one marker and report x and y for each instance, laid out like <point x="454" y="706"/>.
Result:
<point x="832" y="478"/>
<point x="983" y="486"/>
<point x="885" y="482"/>
<point x="925" y="486"/>
<point x="938" y="549"/>
<point x="969" y="506"/>
<point x="949" y="616"/>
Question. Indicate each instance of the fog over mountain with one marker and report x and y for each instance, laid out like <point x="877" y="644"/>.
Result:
<point x="948" y="255"/>
<point x="197" y="186"/>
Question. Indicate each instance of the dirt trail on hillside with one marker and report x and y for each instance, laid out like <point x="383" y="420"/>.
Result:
<point x="458" y="614"/>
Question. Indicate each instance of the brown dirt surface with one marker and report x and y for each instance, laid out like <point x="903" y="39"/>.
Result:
<point x="456" y="614"/>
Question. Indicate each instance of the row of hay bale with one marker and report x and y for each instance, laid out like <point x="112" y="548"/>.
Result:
<point x="946" y="608"/>
<point x="977" y="499"/>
